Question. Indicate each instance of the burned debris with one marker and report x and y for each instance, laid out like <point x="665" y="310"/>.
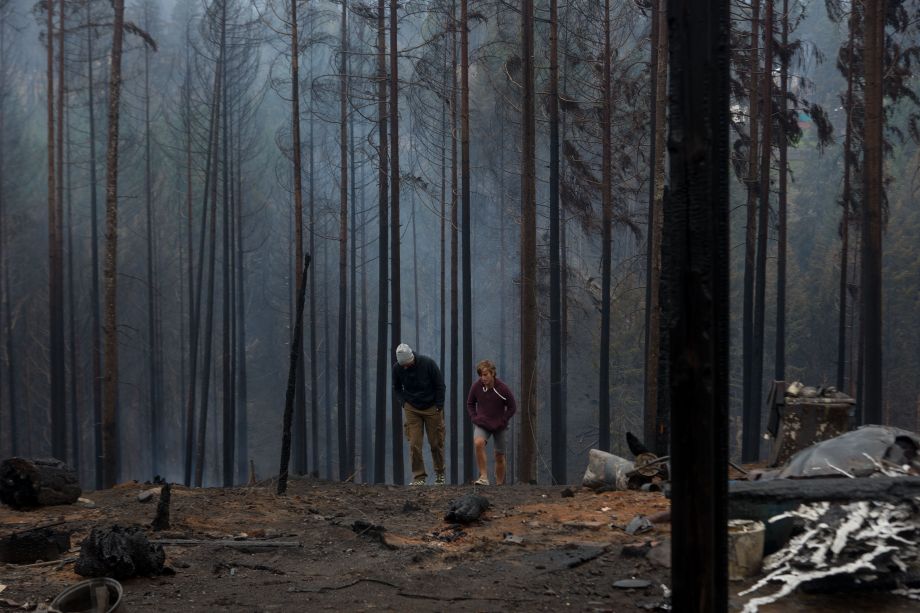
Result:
<point x="467" y="509"/>
<point x="119" y="552"/>
<point x="855" y="546"/>
<point x="34" y="545"/>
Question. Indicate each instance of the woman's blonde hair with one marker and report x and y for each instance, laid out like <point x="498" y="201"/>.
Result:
<point x="485" y="365"/>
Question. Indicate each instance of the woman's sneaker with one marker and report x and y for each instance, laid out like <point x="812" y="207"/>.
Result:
<point x="481" y="481"/>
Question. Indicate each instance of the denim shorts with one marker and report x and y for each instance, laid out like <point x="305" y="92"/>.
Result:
<point x="498" y="435"/>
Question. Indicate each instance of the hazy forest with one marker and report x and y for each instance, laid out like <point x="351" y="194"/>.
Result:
<point x="476" y="178"/>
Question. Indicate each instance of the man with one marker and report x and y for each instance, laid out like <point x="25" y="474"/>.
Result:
<point x="419" y="388"/>
<point x="490" y="405"/>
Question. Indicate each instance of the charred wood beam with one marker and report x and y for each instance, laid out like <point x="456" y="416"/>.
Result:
<point x="695" y="291"/>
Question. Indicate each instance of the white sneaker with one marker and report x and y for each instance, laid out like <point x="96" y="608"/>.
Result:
<point x="481" y="481"/>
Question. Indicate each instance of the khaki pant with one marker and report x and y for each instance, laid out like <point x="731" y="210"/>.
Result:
<point x="416" y="422"/>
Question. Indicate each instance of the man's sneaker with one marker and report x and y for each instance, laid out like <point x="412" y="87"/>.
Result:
<point x="418" y="482"/>
<point x="440" y="480"/>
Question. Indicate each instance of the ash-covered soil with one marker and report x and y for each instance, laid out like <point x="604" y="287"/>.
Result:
<point x="533" y="550"/>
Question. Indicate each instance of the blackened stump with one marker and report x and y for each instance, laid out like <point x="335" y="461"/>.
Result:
<point x="119" y="552"/>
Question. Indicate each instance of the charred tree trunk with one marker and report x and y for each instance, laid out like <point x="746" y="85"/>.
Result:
<point x="603" y="429"/>
<point x="847" y="205"/>
<point x="353" y="314"/>
<point x="110" y="404"/>
<point x="556" y="410"/>
<point x="242" y="418"/>
<point x="456" y="393"/>
<point x="779" y="370"/>
<point x="75" y="435"/>
<point x="342" y="404"/>
<point x="300" y="428"/>
<point x="228" y="425"/>
<point x="527" y="458"/>
<point x="655" y="426"/>
<point x="5" y="305"/>
<point x="94" y="249"/>
<point x="314" y="386"/>
<point x="467" y="364"/>
<point x="873" y="198"/>
<point x="58" y="425"/>
<point x="750" y="410"/>
<point x="395" y="292"/>
<point x="383" y="353"/>
<point x="696" y="289"/>
<point x="763" y="215"/>
<point x="292" y="380"/>
<point x="217" y="109"/>
<point x="195" y="297"/>
<point x="152" y="364"/>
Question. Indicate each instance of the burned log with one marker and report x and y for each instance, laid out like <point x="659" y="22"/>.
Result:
<point x="467" y="509"/>
<point x="119" y="552"/>
<point x="38" y="482"/>
<point x="28" y="546"/>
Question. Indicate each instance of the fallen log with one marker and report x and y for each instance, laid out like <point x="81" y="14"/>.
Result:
<point x="38" y="482"/>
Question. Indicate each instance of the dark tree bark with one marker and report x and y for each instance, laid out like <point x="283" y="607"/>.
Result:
<point x="58" y="419"/>
<point x="654" y="424"/>
<point x="750" y="410"/>
<point x="763" y="214"/>
<point x="242" y="421"/>
<point x="395" y="292"/>
<point x="383" y="353"/>
<point x="696" y="297"/>
<point x="110" y="448"/>
<point x="76" y="436"/>
<point x="217" y="109"/>
<point x="466" y="367"/>
<point x="528" y="406"/>
<point x="846" y="204"/>
<point x="314" y="387"/>
<point x="603" y="413"/>
<point x="228" y="425"/>
<point x="352" y="381"/>
<point x="153" y="366"/>
<point x="94" y="249"/>
<point x="208" y="193"/>
<point x="342" y="404"/>
<point x="327" y="380"/>
<point x="300" y="433"/>
<point x="12" y="406"/>
<point x="871" y="272"/>
<point x="557" y="411"/>
<point x="456" y="397"/>
<point x="779" y="370"/>
<point x="292" y="381"/>
<point x="367" y="451"/>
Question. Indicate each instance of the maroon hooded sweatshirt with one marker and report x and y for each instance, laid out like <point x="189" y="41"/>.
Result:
<point x="491" y="409"/>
